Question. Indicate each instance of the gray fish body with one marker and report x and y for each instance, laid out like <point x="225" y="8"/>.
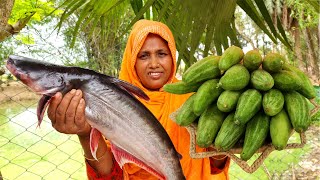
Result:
<point x="110" y="108"/>
<point x="130" y="126"/>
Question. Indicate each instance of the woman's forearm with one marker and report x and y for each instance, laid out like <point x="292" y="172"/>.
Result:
<point x="104" y="164"/>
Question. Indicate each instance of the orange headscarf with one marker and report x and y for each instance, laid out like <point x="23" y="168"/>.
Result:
<point x="162" y="104"/>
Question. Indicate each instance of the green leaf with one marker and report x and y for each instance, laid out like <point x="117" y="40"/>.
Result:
<point x="265" y="13"/>
<point x="217" y="43"/>
<point x="208" y="40"/>
<point x="84" y="13"/>
<point x="249" y="8"/>
<point x="283" y="39"/>
<point x="314" y="4"/>
<point x="163" y="10"/>
<point x="29" y="40"/>
<point x="195" y="36"/>
<point x="233" y="35"/>
<point x="139" y="15"/>
<point x="136" y="5"/>
<point x="71" y="8"/>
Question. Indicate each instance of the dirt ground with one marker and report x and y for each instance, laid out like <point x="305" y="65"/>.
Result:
<point x="309" y="167"/>
<point x="16" y="91"/>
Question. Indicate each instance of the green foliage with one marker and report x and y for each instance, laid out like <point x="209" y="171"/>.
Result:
<point x="28" y="39"/>
<point x="93" y="14"/>
<point x="306" y="13"/>
<point x="197" y="27"/>
<point x="316" y="117"/>
<point x="22" y="9"/>
<point x="5" y="52"/>
<point x="29" y="13"/>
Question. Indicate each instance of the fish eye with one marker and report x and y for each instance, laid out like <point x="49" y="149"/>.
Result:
<point x="53" y="79"/>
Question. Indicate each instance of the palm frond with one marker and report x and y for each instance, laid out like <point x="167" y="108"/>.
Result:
<point x="136" y="5"/>
<point x="249" y="8"/>
<point x="70" y="8"/>
<point x="284" y="38"/>
<point x="206" y="25"/>
<point x="142" y="11"/>
<point x="314" y="4"/>
<point x="264" y="11"/>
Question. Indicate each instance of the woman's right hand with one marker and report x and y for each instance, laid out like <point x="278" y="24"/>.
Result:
<point x="67" y="113"/>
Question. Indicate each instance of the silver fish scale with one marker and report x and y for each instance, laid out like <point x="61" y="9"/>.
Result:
<point x="121" y="121"/>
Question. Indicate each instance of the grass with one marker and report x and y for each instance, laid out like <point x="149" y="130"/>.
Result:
<point x="276" y="163"/>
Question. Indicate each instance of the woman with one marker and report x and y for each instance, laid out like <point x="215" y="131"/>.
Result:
<point x="148" y="63"/>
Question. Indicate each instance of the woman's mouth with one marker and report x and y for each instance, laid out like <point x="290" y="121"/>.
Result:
<point x="155" y="75"/>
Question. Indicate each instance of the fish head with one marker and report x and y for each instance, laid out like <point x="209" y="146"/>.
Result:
<point x="43" y="78"/>
<point x="36" y="74"/>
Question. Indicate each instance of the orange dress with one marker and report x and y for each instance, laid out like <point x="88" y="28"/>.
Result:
<point x="162" y="104"/>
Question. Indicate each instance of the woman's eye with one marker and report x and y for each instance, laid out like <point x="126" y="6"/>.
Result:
<point x="143" y="56"/>
<point x="162" y="54"/>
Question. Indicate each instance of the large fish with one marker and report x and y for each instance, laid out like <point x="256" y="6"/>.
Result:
<point x="134" y="133"/>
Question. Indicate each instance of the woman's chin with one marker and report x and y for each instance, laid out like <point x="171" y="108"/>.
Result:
<point x="155" y="87"/>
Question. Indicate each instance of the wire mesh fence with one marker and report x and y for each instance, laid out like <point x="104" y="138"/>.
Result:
<point x="31" y="152"/>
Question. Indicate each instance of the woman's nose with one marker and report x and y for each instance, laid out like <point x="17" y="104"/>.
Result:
<point x="154" y="62"/>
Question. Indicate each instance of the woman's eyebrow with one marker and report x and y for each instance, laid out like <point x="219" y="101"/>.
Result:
<point x="143" y="52"/>
<point x="163" y="50"/>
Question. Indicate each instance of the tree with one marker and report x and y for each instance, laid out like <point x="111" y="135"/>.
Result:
<point x="16" y="14"/>
<point x="300" y="23"/>
<point x="300" y="20"/>
<point x="208" y="23"/>
<point x="7" y="29"/>
<point x="105" y="46"/>
<point x="200" y="29"/>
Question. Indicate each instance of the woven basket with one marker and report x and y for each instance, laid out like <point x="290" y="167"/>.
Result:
<point x="264" y="151"/>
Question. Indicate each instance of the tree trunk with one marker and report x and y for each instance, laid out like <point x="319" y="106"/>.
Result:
<point x="6" y="29"/>
<point x="312" y="54"/>
<point x="297" y="43"/>
<point x="275" y="21"/>
<point x="285" y="21"/>
<point x="5" y="11"/>
<point x="319" y="36"/>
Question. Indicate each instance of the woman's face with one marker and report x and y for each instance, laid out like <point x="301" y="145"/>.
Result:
<point x="154" y="62"/>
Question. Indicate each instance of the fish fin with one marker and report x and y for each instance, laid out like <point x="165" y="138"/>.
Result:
<point x="95" y="136"/>
<point x="42" y="106"/>
<point x="122" y="157"/>
<point x="131" y="88"/>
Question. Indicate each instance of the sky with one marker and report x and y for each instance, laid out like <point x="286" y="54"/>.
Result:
<point x="48" y="45"/>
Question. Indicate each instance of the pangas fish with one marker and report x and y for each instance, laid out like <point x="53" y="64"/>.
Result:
<point x="136" y="136"/>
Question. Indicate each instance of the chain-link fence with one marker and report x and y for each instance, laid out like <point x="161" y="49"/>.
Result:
<point x="31" y="152"/>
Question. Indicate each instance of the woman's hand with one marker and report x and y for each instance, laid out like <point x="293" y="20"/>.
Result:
<point x="218" y="161"/>
<point x="67" y="113"/>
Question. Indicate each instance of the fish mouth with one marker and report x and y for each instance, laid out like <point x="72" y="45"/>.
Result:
<point x="10" y="65"/>
<point x="23" y="77"/>
<point x="27" y="80"/>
